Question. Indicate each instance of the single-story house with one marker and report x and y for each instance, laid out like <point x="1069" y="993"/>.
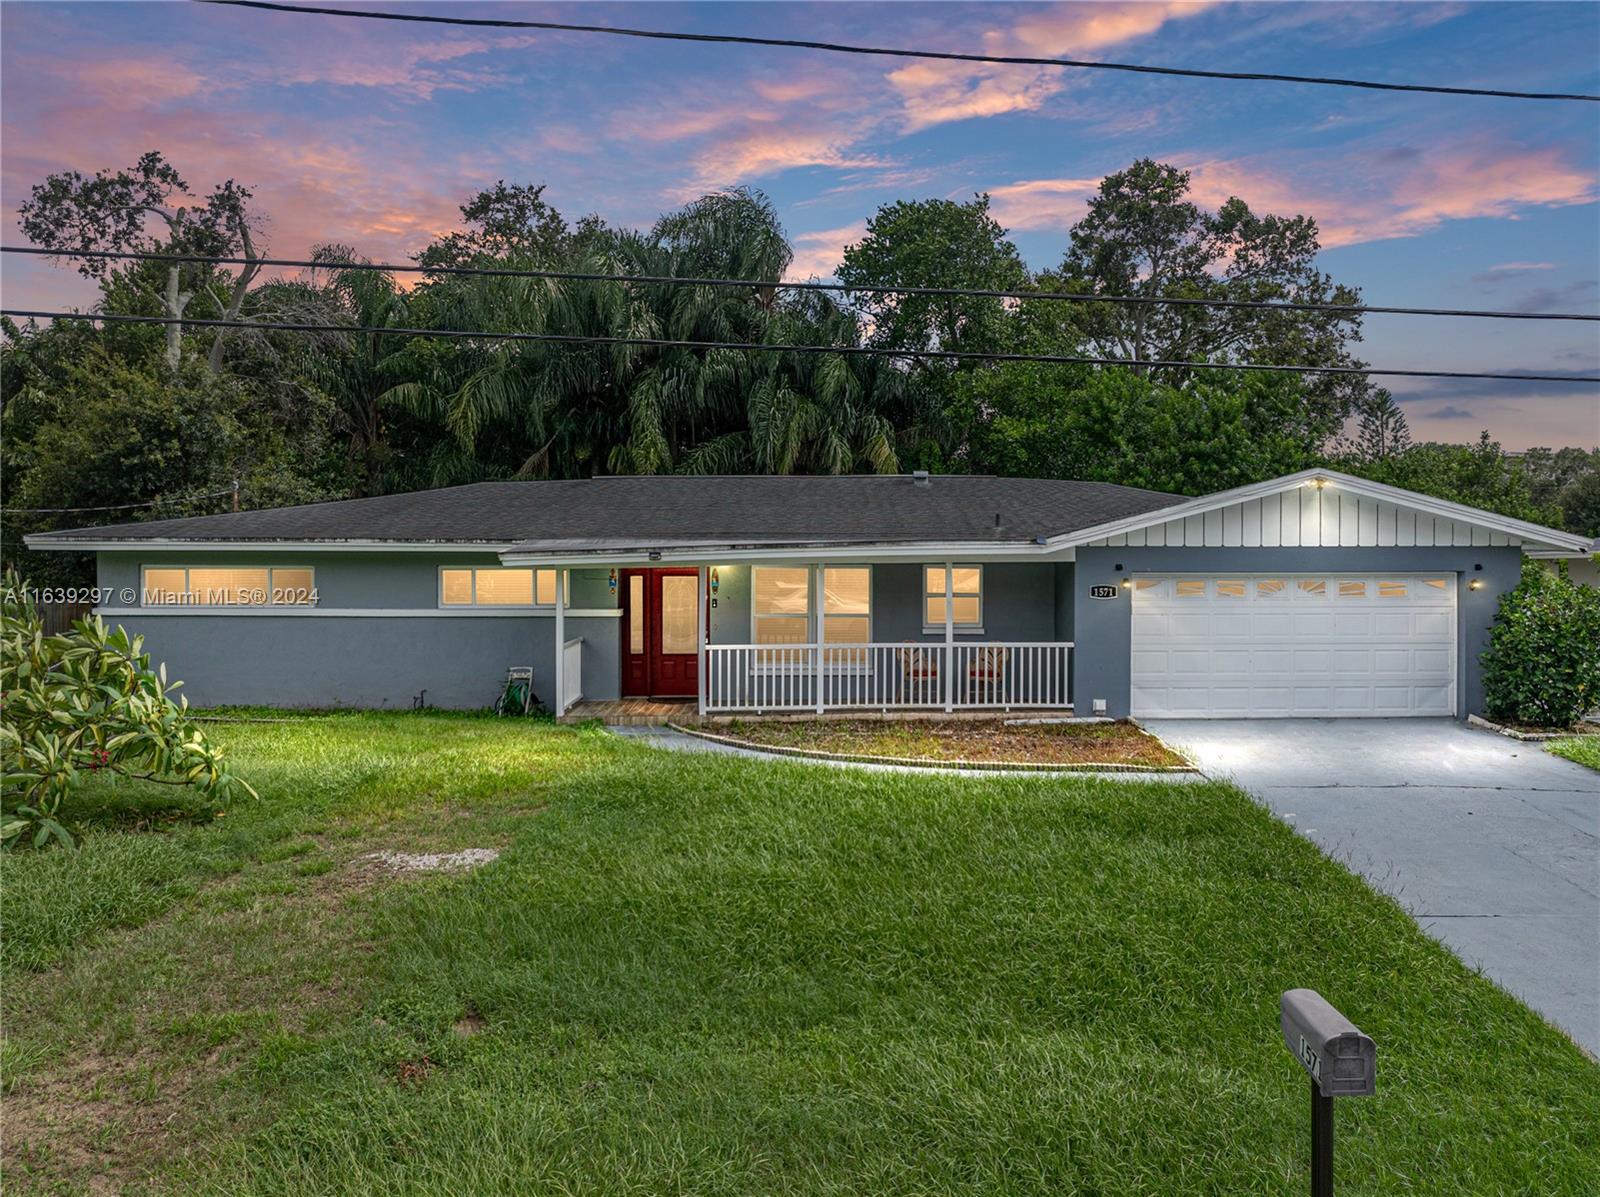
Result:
<point x="1314" y="594"/>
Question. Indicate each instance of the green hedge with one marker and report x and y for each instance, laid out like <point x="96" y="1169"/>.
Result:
<point x="1543" y="663"/>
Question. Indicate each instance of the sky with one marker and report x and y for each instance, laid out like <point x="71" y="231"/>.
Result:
<point x="372" y="134"/>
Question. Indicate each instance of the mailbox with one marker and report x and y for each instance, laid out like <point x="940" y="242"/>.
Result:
<point x="1341" y="1060"/>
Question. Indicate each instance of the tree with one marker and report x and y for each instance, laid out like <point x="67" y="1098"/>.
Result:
<point x="87" y="703"/>
<point x="113" y="211"/>
<point x="1112" y="425"/>
<point x="1382" y="431"/>
<point x="1478" y="475"/>
<point x="104" y="434"/>
<point x="1568" y="479"/>
<point x="1143" y="236"/>
<point x="505" y="222"/>
<point x="933" y="243"/>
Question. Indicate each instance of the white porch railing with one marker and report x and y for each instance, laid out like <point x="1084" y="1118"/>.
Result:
<point x="913" y="675"/>
<point x="571" y="673"/>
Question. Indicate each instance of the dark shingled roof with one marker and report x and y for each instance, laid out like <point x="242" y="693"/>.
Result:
<point x="656" y="511"/>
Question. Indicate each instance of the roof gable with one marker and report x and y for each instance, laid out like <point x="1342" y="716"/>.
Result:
<point x="1320" y="508"/>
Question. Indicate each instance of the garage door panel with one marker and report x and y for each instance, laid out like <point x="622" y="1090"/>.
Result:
<point x="1275" y="645"/>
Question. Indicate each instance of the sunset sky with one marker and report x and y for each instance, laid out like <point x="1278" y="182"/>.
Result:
<point x="372" y="134"/>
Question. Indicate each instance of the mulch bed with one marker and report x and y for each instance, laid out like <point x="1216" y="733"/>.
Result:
<point x="988" y="741"/>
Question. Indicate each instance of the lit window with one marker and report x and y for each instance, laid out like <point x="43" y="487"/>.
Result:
<point x="1388" y="589"/>
<point x="1436" y="583"/>
<point x="966" y="596"/>
<point x="781" y="605"/>
<point x="1352" y="588"/>
<point x="495" y="586"/>
<point x="847" y="605"/>
<point x="250" y="586"/>
<point x="1230" y="588"/>
<point x="1143" y="584"/>
<point x="1313" y="587"/>
<point x="1191" y="588"/>
<point x="1270" y="587"/>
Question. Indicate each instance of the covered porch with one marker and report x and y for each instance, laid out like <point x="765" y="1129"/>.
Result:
<point x="809" y="638"/>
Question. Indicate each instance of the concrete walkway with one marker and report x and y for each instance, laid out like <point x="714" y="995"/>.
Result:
<point x="1492" y="844"/>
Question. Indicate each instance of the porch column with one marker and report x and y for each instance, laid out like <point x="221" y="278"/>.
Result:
<point x="561" y="643"/>
<point x="949" y="637"/>
<point x="701" y="635"/>
<point x="817" y="603"/>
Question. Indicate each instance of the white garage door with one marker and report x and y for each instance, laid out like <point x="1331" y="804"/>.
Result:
<point x="1257" y="645"/>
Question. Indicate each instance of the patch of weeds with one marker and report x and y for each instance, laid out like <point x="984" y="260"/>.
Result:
<point x="315" y="868"/>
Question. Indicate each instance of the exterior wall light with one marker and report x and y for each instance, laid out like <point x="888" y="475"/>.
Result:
<point x="1475" y="584"/>
<point x="1127" y="583"/>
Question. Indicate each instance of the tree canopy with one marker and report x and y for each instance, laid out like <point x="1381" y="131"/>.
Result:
<point x="129" y="414"/>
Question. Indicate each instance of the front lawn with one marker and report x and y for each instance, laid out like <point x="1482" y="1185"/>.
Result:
<point x="1583" y="749"/>
<point x="990" y="741"/>
<point x="697" y="974"/>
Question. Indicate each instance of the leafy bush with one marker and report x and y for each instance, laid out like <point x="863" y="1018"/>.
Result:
<point x="1543" y="663"/>
<point x="82" y="704"/>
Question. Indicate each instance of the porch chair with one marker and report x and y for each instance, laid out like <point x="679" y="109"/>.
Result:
<point x="919" y="671"/>
<point x="987" y="668"/>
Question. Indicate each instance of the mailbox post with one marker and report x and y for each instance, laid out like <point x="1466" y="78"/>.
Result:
<point x="1341" y="1061"/>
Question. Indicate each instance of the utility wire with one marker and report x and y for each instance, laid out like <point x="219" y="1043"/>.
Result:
<point x="887" y="52"/>
<point x="1343" y="309"/>
<point x="119" y="506"/>
<point x="763" y="347"/>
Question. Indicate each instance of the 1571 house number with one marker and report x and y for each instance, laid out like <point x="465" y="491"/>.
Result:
<point x="1103" y="592"/>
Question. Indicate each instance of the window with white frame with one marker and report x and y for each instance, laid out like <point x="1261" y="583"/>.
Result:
<point x="781" y="605"/>
<point x="496" y="586"/>
<point x="232" y="586"/>
<point x="966" y="597"/>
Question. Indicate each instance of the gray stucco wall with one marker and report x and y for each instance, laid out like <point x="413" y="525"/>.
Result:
<point x="368" y="661"/>
<point x="340" y="654"/>
<point x="1103" y="630"/>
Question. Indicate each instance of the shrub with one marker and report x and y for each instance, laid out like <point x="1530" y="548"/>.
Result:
<point x="81" y="704"/>
<point x="1543" y="663"/>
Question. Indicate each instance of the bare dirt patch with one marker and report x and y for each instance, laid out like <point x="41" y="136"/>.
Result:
<point x="980" y="741"/>
<point x="388" y="860"/>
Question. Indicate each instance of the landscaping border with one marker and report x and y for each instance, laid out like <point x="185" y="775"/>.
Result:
<point x="959" y="765"/>
<point x="1532" y="737"/>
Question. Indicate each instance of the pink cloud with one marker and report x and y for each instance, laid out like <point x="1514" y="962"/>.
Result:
<point x="818" y="254"/>
<point x="1405" y="193"/>
<point x="1379" y="197"/>
<point x="1041" y="203"/>
<point x="936" y="92"/>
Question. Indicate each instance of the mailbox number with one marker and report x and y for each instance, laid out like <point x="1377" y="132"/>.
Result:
<point x="1311" y="1060"/>
<point x="1103" y="592"/>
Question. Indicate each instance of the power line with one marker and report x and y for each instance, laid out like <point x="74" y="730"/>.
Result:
<point x="888" y="52"/>
<point x="692" y="281"/>
<point x="763" y="347"/>
<point x="120" y="506"/>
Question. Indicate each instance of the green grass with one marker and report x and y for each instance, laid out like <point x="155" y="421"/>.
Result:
<point x="1583" y="749"/>
<point x="706" y="975"/>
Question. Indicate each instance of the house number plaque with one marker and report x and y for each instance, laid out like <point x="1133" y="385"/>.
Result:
<point x="1102" y="592"/>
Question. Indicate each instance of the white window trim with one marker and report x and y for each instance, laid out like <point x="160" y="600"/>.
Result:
<point x="960" y="629"/>
<point x="814" y="617"/>
<point x="144" y="589"/>
<point x="441" y="605"/>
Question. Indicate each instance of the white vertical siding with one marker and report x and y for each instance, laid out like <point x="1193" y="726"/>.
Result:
<point x="1310" y="517"/>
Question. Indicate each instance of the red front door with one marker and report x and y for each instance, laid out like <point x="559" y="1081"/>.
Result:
<point x="660" y="609"/>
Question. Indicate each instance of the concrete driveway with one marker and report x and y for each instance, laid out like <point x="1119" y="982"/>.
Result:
<point x="1492" y="844"/>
